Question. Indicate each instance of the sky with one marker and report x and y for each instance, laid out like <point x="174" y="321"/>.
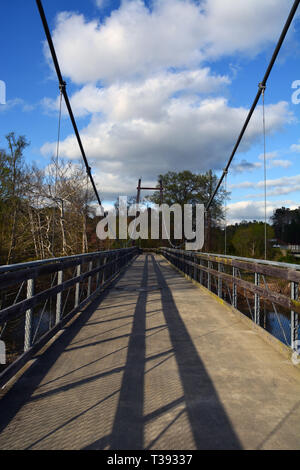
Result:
<point x="157" y="86"/>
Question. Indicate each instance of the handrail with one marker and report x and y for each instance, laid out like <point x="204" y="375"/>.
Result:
<point x="230" y="284"/>
<point x="29" y="264"/>
<point x="102" y="269"/>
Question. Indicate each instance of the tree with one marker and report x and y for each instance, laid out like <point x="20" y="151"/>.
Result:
<point x="13" y="182"/>
<point x="249" y="239"/>
<point x="43" y="212"/>
<point x="60" y="205"/>
<point x="186" y="187"/>
<point x="286" y="223"/>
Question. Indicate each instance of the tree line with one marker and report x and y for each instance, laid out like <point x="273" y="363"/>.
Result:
<point x="44" y="213"/>
<point x="49" y="212"/>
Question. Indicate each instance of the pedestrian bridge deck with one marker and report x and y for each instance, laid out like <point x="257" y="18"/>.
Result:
<point x="155" y="363"/>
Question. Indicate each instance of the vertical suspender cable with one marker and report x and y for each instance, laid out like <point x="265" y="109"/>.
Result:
<point x="58" y="142"/>
<point x="56" y="171"/>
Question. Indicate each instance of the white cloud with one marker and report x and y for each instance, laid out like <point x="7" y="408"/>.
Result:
<point x="154" y="106"/>
<point x="273" y="161"/>
<point x="144" y="98"/>
<point x="290" y="181"/>
<point x="16" y="102"/>
<point x="174" y="33"/>
<point x="198" y="134"/>
<point x="295" y="148"/>
<point x="255" y="210"/>
<point x="279" y="163"/>
<point x="100" y="3"/>
<point x="241" y="26"/>
<point x="244" y="165"/>
<point x="243" y="185"/>
<point x="269" y="155"/>
<point x="275" y="187"/>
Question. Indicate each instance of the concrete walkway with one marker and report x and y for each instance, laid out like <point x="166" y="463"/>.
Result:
<point x="156" y="364"/>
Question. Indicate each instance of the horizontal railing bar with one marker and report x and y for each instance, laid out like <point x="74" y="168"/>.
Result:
<point x="87" y="256"/>
<point x="258" y="261"/>
<point x="20" y="307"/>
<point x="278" y="272"/>
<point x="7" y="279"/>
<point x="272" y="268"/>
<point x="272" y="296"/>
<point x="251" y="260"/>
<point x="12" y="369"/>
<point x="10" y="278"/>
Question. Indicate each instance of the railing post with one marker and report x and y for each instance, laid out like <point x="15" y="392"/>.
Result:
<point x="59" y="298"/>
<point x="28" y="317"/>
<point x="234" y="288"/>
<point x="209" y="263"/>
<point x="89" y="289"/>
<point x="201" y="272"/>
<point x="117" y="262"/>
<point x="294" y="317"/>
<point x="103" y="277"/>
<point x="77" y="286"/>
<point x="111" y="266"/>
<point x="98" y="273"/>
<point x="256" y="301"/>
<point x="195" y="268"/>
<point x="220" y="282"/>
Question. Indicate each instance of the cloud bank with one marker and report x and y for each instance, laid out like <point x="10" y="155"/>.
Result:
<point x="154" y="102"/>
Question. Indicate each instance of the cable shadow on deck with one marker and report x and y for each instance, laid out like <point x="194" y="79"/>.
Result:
<point x="128" y="426"/>
<point x="210" y="425"/>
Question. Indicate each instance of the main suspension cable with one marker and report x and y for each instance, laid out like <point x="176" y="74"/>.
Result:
<point x="263" y="83"/>
<point x="62" y="85"/>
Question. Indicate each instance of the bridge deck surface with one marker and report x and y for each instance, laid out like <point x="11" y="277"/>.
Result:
<point x="155" y="364"/>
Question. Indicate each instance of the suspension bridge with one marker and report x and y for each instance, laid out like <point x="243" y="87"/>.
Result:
<point x="148" y="359"/>
<point x="156" y="349"/>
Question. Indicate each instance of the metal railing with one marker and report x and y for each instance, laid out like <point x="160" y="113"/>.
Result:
<point x="292" y="248"/>
<point x="265" y="291"/>
<point x="38" y="298"/>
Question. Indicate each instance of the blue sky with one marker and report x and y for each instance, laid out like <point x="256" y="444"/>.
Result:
<point x="158" y="86"/>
